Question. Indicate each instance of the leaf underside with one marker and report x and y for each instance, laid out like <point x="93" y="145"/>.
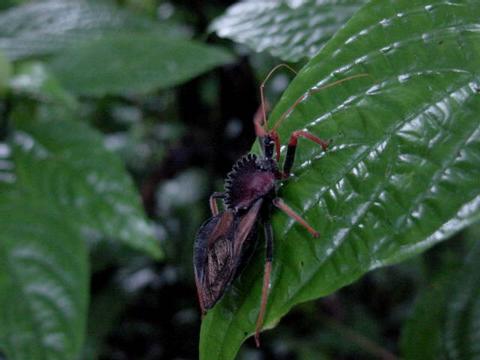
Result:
<point x="401" y="173"/>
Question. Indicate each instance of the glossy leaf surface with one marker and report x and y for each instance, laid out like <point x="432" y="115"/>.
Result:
<point x="290" y="30"/>
<point x="46" y="27"/>
<point x="43" y="281"/>
<point x="401" y="173"/>
<point x="65" y="163"/>
<point x="59" y="187"/>
<point x="142" y="62"/>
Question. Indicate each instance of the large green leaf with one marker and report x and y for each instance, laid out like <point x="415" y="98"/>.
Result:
<point x="59" y="186"/>
<point x="45" y="27"/>
<point x="291" y="30"/>
<point x="129" y="62"/>
<point x="43" y="281"/>
<point x="402" y="171"/>
<point x="65" y="164"/>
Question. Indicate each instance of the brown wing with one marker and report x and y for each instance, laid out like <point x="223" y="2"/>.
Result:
<point x="218" y="251"/>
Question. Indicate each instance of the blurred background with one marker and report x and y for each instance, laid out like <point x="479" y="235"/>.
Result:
<point x="177" y="140"/>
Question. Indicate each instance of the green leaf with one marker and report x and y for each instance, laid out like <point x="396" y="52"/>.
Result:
<point x="444" y="323"/>
<point x="59" y="186"/>
<point x="34" y="80"/>
<point x="422" y="335"/>
<point x="401" y="173"/>
<point x="46" y="27"/>
<point x="129" y="62"/>
<point x="5" y="72"/>
<point x="461" y="334"/>
<point x="290" y="30"/>
<point x="65" y="164"/>
<point x="43" y="282"/>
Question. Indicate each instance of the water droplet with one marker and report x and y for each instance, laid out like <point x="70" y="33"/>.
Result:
<point x="385" y="22"/>
<point x="403" y="78"/>
<point x="386" y="49"/>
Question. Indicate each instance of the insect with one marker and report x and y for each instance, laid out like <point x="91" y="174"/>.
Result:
<point x="224" y="242"/>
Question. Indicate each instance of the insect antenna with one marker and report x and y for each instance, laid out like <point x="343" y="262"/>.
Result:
<point x="313" y="91"/>
<point x="262" y="87"/>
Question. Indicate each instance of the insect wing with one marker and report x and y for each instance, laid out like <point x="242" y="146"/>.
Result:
<point x="219" y="250"/>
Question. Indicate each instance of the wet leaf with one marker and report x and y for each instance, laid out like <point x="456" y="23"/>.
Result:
<point x="59" y="188"/>
<point x="64" y="163"/>
<point x="290" y="30"/>
<point x="401" y="173"/>
<point x="43" y="281"/>
<point x="134" y="63"/>
<point x="46" y="27"/>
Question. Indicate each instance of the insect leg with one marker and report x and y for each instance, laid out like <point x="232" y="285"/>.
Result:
<point x="266" y="280"/>
<point x="213" y="201"/>
<point x="292" y="147"/>
<point x="279" y="203"/>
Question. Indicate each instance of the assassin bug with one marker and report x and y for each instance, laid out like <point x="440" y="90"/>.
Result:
<point x="224" y="242"/>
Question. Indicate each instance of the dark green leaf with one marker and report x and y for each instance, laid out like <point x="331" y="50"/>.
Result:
<point x="125" y="63"/>
<point x="45" y="27"/>
<point x="65" y="164"/>
<point x="461" y="333"/>
<point x="422" y="334"/>
<point x="402" y="171"/>
<point x="59" y="186"/>
<point x="33" y="79"/>
<point x="43" y="282"/>
<point x="291" y="30"/>
<point x="444" y="323"/>
<point x="5" y="72"/>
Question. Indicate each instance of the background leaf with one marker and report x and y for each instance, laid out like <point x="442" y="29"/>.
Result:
<point x="43" y="281"/>
<point x="461" y="335"/>
<point x="444" y="322"/>
<point x="401" y="174"/>
<point x="129" y="62"/>
<point x="5" y="72"/>
<point x="422" y="334"/>
<point x="46" y="27"/>
<point x="290" y="30"/>
<point x="58" y="185"/>
<point x="64" y="162"/>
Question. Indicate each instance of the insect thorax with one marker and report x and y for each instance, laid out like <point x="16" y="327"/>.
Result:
<point x="250" y="179"/>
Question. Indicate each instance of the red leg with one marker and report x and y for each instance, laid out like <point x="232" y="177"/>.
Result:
<point x="279" y="203"/>
<point x="266" y="280"/>
<point x="213" y="202"/>
<point x="292" y="147"/>
<point x="307" y="135"/>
